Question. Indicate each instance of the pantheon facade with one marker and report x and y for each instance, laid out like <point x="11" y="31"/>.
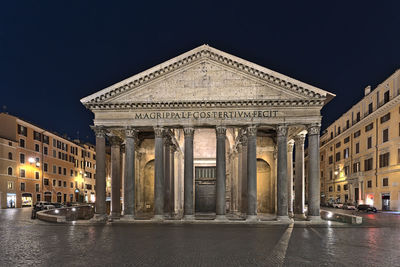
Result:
<point x="208" y="133"/>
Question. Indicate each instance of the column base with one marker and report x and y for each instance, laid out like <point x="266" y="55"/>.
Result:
<point x="128" y="218"/>
<point x="301" y="216"/>
<point x="285" y="219"/>
<point x="158" y="218"/>
<point x="99" y="218"/>
<point x="115" y="215"/>
<point x="188" y="218"/>
<point x="314" y="218"/>
<point x="221" y="218"/>
<point x="252" y="218"/>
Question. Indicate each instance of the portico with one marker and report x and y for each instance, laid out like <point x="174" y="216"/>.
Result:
<point x="208" y="132"/>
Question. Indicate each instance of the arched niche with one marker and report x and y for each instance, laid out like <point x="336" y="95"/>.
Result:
<point x="148" y="189"/>
<point x="265" y="188"/>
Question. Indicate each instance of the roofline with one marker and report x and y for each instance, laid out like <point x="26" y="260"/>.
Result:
<point x="329" y="96"/>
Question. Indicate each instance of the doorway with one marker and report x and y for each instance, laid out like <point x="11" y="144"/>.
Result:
<point x="11" y="200"/>
<point x="205" y="189"/>
<point x="26" y="200"/>
<point x="386" y="201"/>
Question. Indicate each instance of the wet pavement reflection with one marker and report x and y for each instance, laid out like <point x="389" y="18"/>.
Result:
<point x="32" y="242"/>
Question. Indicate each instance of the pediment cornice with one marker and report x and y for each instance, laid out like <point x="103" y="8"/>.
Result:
<point x="206" y="104"/>
<point x="198" y="54"/>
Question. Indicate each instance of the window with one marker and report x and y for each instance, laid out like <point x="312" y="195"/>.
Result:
<point x="72" y="173"/>
<point x="54" y="143"/>
<point x="10" y="156"/>
<point x="45" y="150"/>
<point x="369" y="142"/>
<point x="37" y="136"/>
<point x="398" y="155"/>
<point x="338" y="187"/>
<point x="322" y="157"/>
<point x="358" y="118"/>
<point x="65" y="184"/>
<point x="22" y="158"/>
<point x="54" y="182"/>
<point x="346" y="187"/>
<point x="59" y="170"/>
<point x="37" y="187"/>
<point x="330" y="159"/>
<point x="337" y="145"/>
<point x="346" y="170"/>
<point x="337" y="157"/>
<point x="357" y="148"/>
<point x="330" y="175"/>
<point x="72" y="185"/>
<point x="385" y="135"/>
<point x="368" y="164"/>
<point x="45" y="139"/>
<point x="36" y="175"/>
<point x="23" y="187"/>
<point x="356" y="167"/>
<point x="88" y="186"/>
<point x="22" y="173"/>
<point x="369" y="127"/>
<point x="22" y="130"/>
<point x="346" y="140"/>
<point x="45" y="167"/>
<point x="369" y="108"/>
<point x="386" y="97"/>
<point x="65" y="171"/>
<point x="338" y="131"/>
<point x="46" y="181"/>
<point x="21" y="142"/>
<point x="330" y="189"/>
<point x="346" y="153"/>
<point x="347" y="124"/>
<point x="10" y="171"/>
<point x="59" y="183"/>
<point x="385" y="118"/>
<point x="37" y="197"/>
<point x="54" y="154"/>
<point x="331" y="135"/>
<point x="10" y="185"/>
<point x="357" y="134"/>
<point x="384" y="160"/>
<point x="37" y="148"/>
<point x="369" y="184"/>
<point x="385" y="182"/>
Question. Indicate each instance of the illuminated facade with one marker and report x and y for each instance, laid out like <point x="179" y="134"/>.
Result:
<point x="207" y="132"/>
<point x="360" y="152"/>
<point x="38" y="165"/>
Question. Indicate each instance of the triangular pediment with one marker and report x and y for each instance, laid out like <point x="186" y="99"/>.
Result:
<point x="207" y="74"/>
<point x="205" y="81"/>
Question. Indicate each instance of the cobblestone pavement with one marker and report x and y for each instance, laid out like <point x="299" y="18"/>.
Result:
<point x="32" y="242"/>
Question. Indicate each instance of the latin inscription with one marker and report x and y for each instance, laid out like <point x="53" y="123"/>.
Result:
<point x="171" y="115"/>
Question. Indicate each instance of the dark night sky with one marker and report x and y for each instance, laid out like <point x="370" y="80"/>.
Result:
<point x="53" y="53"/>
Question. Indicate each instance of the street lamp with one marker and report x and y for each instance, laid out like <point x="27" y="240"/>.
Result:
<point x="31" y="160"/>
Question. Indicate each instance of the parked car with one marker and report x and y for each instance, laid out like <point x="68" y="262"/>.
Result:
<point x="57" y="205"/>
<point x="338" y="205"/>
<point x="349" y="206"/>
<point x="366" y="208"/>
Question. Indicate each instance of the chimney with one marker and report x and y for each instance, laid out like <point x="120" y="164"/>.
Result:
<point x="367" y="90"/>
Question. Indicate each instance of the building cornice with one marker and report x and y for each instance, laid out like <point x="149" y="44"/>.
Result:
<point x="206" y="104"/>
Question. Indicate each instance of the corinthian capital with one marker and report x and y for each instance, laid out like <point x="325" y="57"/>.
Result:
<point x="100" y="131"/>
<point x="130" y="132"/>
<point x="282" y="130"/>
<point x="188" y="131"/>
<point x="115" y="140"/>
<point x="314" y="128"/>
<point x="300" y="138"/>
<point x="252" y="130"/>
<point x="290" y="146"/>
<point x="220" y="130"/>
<point x="159" y="132"/>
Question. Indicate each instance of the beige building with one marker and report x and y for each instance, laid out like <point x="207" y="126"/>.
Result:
<point x="36" y="165"/>
<point x="360" y="151"/>
<point x="207" y="132"/>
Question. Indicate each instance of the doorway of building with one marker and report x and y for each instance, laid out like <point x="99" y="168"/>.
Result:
<point x="205" y="189"/>
<point x="386" y="201"/>
<point x="59" y="197"/>
<point x="47" y="196"/>
<point x="11" y="200"/>
<point x="356" y="195"/>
